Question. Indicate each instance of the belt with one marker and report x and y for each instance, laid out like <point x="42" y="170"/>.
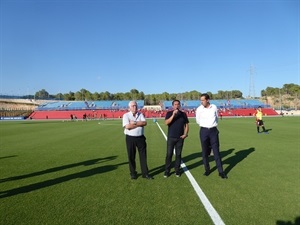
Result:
<point x="134" y="136"/>
<point x="208" y="128"/>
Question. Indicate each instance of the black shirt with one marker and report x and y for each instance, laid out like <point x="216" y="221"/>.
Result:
<point x="176" y="127"/>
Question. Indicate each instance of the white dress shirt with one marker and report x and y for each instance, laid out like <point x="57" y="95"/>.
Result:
<point x="207" y="117"/>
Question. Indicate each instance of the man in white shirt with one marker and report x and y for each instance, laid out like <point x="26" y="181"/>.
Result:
<point x="133" y="124"/>
<point x="207" y="118"/>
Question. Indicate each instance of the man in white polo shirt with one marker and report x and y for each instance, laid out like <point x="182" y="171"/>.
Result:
<point x="133" y="124"/>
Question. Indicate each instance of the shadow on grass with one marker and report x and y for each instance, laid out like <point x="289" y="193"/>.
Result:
<point x="58" y="180"/>
<point x="236" y="158"/>
<point x="55" y="169"/>
<point x="188" y="158"/>
<point x="297" y="222"/>
<point x="157" y="170"/>
<point x="232" y="161"/>
<point x="161" y="169"/>
<point x="10" y="156"/>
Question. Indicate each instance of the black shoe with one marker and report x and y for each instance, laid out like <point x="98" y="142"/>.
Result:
<point x="148" y="177"/>
<point x="223" y="175"/>
<point x="133" y="176"/>
<point x="206" y="173"/>
<point x="177" y="174"/>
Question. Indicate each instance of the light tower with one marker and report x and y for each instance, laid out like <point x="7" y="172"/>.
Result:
<point x="251" y="84"/>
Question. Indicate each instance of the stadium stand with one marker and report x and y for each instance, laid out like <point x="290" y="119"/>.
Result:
<point x="16" y="107"/>
<point x="77" y="114"/>
<point x="116" y="109"/>
<point x="92" y="109"/>
<point x="223" y="103"/>
<point x="83" y="105"/>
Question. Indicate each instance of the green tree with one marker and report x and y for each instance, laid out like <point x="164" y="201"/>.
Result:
<point x="42" y="94"/>
<point x="69" y="96"/>
<point x="134" y="94"/>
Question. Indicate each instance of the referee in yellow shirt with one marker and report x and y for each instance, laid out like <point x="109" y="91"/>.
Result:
<point x="259" y="121"/>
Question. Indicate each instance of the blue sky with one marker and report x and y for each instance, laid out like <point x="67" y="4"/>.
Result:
<point x="153" y="46"/>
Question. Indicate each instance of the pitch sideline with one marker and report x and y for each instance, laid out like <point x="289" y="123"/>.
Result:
<point x="215" y="217"/>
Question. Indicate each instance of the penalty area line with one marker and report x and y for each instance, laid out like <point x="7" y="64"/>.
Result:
<point x="215" y="217"/>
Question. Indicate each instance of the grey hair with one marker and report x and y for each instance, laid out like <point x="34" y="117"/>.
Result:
<point x="133" y="101"/>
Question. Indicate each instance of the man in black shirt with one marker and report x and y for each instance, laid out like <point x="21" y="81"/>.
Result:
<point x="178" y="128"/>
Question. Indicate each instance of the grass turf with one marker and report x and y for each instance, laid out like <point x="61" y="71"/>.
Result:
<point x="55" y="172"/>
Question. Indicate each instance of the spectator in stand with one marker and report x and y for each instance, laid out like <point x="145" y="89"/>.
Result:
<point x="221" y="115"/>
<point x="84" y="117"/>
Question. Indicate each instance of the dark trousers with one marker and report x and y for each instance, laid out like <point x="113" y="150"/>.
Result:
<point x="133" y="143"/>
<point x="209" y="139"/>
<point x="172" y="143"/>
<point x="260" y="123"/>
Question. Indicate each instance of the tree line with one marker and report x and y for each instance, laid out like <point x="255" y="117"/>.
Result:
<point x="292" y="90"/>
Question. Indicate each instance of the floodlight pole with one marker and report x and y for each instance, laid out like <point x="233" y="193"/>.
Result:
<point x="251" y="84"/>
<point x="280" y="101"/>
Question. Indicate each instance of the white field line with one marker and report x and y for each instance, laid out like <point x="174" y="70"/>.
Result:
<point x="215" y="217"/>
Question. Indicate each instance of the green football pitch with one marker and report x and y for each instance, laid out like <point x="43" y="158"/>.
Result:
<point x="62" y="172"/>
